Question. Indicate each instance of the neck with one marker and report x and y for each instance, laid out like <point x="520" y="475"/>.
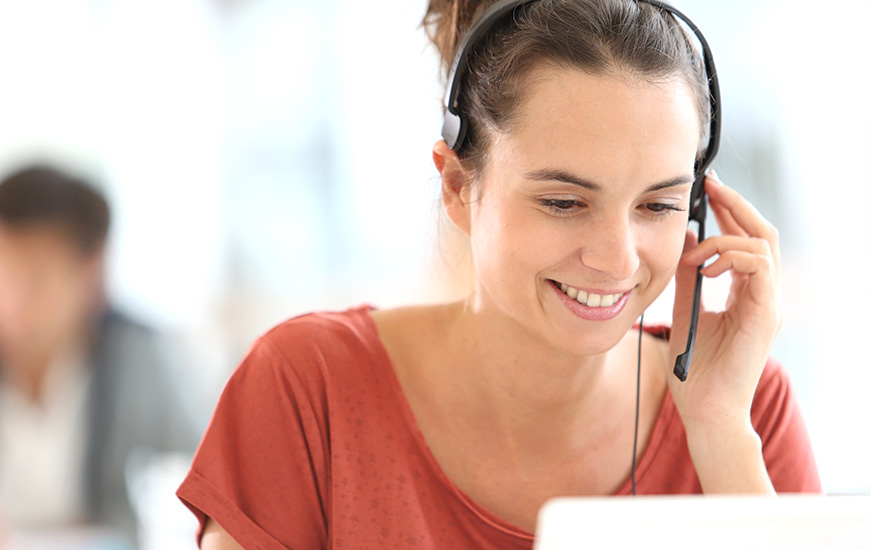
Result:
<point x="28" y="370"/>
<point x="521" y="383"/>
<point x="27" y="375"/>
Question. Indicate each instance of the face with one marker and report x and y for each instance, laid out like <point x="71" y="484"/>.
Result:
<point x="47" y="290"/>
<point x="590" y="191"/>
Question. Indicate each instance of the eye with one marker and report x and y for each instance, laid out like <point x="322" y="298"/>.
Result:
<point x="561" y="207"/>
<point x="661" y="208"/>
<point x="561" y="204"/>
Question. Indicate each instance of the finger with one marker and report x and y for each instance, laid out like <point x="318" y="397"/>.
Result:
<point x="742" y="262"/>
<point x="725" y="221"/>
<point x="758" y="274"/>
<point x="744" y="214"/>
<point x="725" y="243"/>
<point x="685" y="280"/>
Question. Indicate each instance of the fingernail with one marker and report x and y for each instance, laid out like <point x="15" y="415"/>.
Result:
<point x="714" y="176"/>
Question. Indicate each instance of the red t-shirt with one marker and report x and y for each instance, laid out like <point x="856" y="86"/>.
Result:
<point x="314" y="446"/>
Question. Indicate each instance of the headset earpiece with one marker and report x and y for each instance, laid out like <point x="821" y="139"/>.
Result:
<point x="455" y="128"/>
<point x="453" y="131"/>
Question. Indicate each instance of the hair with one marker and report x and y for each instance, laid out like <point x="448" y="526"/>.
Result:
<point x="616" y="38"/>
<point x="42" y="196"/>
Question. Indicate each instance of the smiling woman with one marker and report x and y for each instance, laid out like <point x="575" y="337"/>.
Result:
<point x="449" y="425"/>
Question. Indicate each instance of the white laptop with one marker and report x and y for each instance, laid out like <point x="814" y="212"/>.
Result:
<point x="793" y="522"/>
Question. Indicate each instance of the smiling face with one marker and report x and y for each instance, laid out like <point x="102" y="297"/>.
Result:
<point x="590" y="191"/>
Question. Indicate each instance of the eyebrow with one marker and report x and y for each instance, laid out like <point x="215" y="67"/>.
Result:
<point x="567" y="177"/>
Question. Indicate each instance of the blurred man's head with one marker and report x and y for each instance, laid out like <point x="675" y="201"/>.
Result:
<point x="53" y="230"/>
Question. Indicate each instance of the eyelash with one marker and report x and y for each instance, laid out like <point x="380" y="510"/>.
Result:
<point x="564" y="207"/>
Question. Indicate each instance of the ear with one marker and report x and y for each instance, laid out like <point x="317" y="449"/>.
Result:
<point x="455" y="186"/>
<point x="95" y="266"/>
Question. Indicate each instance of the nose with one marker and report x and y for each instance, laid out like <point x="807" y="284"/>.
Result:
<point x="611" y="248"/>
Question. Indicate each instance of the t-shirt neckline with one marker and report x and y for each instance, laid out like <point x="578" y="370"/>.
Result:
<point x="660" y="428"/>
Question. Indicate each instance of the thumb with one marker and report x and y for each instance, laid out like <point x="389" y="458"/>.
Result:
<point x="685" y="290"/>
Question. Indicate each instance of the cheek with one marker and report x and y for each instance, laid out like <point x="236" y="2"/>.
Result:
<point x="662" y="249"/>
<point x="666" y="250"/>
<point x="505" y="244"/>
<point x="59" y="300"/>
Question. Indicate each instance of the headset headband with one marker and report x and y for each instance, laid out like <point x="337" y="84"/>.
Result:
<point x="455" y="128"/>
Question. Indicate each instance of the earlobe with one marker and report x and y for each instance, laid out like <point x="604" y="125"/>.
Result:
<point x="455" y="185"/>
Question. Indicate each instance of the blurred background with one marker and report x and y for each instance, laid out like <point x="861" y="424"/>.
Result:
<point x="265" y="158"/>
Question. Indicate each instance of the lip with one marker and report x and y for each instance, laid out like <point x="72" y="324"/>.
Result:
<point x="592" y="313"/>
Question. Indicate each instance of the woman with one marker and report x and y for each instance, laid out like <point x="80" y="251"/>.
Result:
<point x="449" y="425"/>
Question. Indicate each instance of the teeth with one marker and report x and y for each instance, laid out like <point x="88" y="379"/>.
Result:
<point x="590" y="299"/>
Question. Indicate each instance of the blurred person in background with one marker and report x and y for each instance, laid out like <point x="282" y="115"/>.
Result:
<point x="81" y="385"/>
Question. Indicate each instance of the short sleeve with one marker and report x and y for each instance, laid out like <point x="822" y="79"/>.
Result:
<point x="786" y="446"/>
<point x="261" y="469"/>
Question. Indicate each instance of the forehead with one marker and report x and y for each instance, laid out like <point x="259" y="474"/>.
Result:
<point x="605" y="127"/>
<point x="35" y="246"/>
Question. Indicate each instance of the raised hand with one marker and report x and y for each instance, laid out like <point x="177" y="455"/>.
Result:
<point x="732" y="346"/>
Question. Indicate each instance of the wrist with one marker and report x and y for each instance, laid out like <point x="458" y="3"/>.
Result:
<point x="718" y="432"/>
<point x="728" y="458"/>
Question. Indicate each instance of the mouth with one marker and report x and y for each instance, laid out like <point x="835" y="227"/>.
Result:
<point x="588" y="299"/>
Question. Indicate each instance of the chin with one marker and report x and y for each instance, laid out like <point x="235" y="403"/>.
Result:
<point x="584" y="337"/>
<point x="594" y="342"/>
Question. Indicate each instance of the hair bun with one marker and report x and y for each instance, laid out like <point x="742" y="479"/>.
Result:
<point x="446" y="21"/>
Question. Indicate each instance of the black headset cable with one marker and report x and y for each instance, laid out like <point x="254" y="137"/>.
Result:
<point x="636" y="410"/>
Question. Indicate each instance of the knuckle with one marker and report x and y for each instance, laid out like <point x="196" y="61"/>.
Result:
<point x="778" y="316"/>
<point x="771" y="232"/>
<point x="761" y="246"/>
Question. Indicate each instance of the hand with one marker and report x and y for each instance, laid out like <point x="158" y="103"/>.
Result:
<point x="732" y="346"/>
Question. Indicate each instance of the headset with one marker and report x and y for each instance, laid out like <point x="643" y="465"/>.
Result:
<point x="455" y="128"/>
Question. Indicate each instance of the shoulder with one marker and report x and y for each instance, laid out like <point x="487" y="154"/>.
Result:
<point x="774" y="392"/>
<point x="116" y="329"/>
<point x="125" y="347"/>
<point x="322" y="334"/>
<point x="658" y="330"/>
<point x="350" y="324"/>
<point x="786" y="446"/>
<point x="123" y="343"/>
<point x="314" y="353"/>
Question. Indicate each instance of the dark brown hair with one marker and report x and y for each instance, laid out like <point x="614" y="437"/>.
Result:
<point x="42" y="196"/>
<point x="618" y="38"/>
